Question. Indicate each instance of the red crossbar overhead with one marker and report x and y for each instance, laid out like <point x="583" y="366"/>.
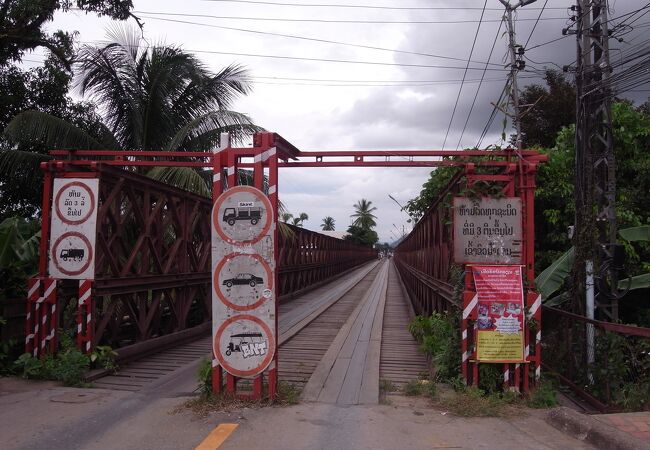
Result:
<point x="290" y="156"/>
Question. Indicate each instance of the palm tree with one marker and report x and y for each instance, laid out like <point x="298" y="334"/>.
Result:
<point x="363" y="213"/>
<point x="328" y="224"/>
<point x="286" y="217"/>
<point x="297" y="221"/>
<point x="150" y="98"/>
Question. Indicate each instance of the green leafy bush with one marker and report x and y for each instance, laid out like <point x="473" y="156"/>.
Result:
<point x="104" y="356"/>
<point x="69" y="365"/>
<point x="438" y="336"/>
<point x="543" y="396"/>
<point x="204" y="375"/>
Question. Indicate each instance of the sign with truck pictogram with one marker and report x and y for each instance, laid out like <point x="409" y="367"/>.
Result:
<point x="73" y="228"/>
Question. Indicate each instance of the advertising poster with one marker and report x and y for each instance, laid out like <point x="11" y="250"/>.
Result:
<point x="501" y="313"/>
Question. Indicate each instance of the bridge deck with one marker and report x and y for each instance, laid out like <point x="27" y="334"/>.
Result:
<point x="330" y="340"/>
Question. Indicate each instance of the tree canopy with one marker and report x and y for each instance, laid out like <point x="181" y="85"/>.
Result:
<point x="328" y="224"/>
<point x="149" y="97"/>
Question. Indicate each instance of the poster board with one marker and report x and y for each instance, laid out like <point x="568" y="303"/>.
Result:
<point x="501" y="314"/>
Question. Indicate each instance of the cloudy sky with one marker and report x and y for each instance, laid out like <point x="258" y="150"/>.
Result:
<point x="373" y="85"/>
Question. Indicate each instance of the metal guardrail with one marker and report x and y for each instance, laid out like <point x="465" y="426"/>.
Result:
<point x="607" y="364"/>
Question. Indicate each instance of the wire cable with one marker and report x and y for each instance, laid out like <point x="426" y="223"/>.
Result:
<point x="395" y="8"/>
<point x="305" y="38"/>
<point x="478" y="89"/>
<point x="460" y="90"/>
<point x="339" y="21"/>
<point x="331" y="60"/>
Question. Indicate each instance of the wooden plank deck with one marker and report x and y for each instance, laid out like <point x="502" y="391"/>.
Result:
<point x="296" y="365"/>
<point x="349" y="370"/>
<point x="401" y="360"/>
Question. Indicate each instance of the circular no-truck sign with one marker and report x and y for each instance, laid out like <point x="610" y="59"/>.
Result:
<point x="244" y="345"/>
<point x="72" y="253"/>
<point x="243" y="281"/>
<point x="242" y="215"/>
<point x="74" y="203"/>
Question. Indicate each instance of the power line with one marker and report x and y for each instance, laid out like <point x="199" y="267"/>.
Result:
<point x="478" y="89"/>
<point x="493" y="114"/>
<point x="541" y="11"/>
<point x="407" y="8"/>
<point x="340" y="21"/>
<point x="471" y="52"/>
<point x="305" y="38"/>
<point x="473" y="80"/>
<point x="341" y="61"/>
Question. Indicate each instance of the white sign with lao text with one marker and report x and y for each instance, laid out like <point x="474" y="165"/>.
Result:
<point x="73" y="228"/>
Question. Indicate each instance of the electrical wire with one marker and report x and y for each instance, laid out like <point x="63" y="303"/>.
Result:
<point x="331" y="60"/>
<point x="541" y="11"/>
<point x="493" y="114"/>
<point x="478" y="89"/>
<point x="460" y="90"/>
<point x="409" y="8"/>
<point x="338" y="21"/>
<point x="305" y="38"/>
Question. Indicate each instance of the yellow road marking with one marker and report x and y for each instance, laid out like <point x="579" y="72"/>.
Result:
<point x="217" y="437"/>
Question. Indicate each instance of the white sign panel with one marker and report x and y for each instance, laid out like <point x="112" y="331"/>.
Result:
<point x="487" y="230"/>
<point x="243" y="281"/>
<point x="73" y="228"/>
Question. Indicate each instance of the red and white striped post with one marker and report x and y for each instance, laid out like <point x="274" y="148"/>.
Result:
<point x="31" y="319"/>
<point x="85" y="316"/>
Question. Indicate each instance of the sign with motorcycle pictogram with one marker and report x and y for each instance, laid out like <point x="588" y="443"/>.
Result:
<point x="73" y="228"/>
<point x="244" y="345"/>
<point x="243" y="281"/>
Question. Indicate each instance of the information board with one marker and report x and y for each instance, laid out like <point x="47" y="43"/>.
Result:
<point x="73" y="228"/>
<point x="487" y="230"/>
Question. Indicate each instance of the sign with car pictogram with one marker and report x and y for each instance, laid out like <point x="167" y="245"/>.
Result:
<point x="240" y="281"/>
<point x="73" y="228"/>
<point x="243" y="281"/>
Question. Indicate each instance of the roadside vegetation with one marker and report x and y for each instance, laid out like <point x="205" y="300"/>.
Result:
<point x="207" y="401"/>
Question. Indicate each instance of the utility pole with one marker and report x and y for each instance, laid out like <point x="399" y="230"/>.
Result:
<point x="598" y="257"/>
<point x="516" y="64"/>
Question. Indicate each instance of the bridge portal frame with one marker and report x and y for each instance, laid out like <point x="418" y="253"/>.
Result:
<point x="271" y="152"/>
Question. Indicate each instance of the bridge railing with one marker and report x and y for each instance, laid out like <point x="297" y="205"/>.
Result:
<point x="308" y="259"/>
<point x="607" y="371"/>
<point x="152" y="280"/>
<point x="424" y="258"/>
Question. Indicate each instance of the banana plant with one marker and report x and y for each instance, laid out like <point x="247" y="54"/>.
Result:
<point x="551" y="280"/>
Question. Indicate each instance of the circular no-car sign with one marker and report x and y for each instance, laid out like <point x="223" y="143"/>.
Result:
<point x="72" y="253"/>
<point x="244" y="345"/>
<point x="243" y="282"/>
<point x="74" y="203"/>
<point x="242" y="215"/>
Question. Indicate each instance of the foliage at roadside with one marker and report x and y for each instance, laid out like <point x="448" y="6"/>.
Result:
<point x="438" y="336"/>
<point x="19" y="244"/>
<point x="68" y="365"/>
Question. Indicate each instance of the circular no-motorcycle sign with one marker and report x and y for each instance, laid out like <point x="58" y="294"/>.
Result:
<point x="242" y="215"/>
<point x="244" y="345"/>
<point x="74" y="203"/>
<point x="242" y="281"/>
